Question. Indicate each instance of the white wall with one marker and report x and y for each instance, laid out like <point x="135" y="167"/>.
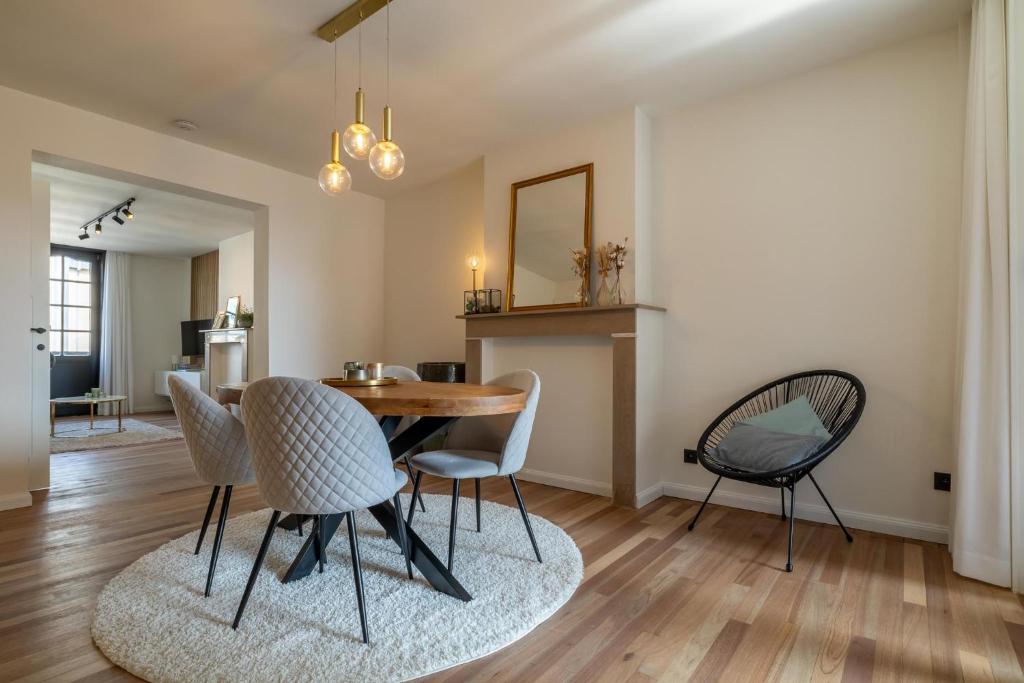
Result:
<point x="160" y="291"/>
<point x="317" y="313"/>
<point x="235" y="262"/>
<point x="430" y="233"/>
<point x="813" y="223"/>
<point x="810" y="222"/>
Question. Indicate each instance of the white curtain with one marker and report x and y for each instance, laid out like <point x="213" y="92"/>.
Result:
<point x="116" y="329"/>
<point x="981" y="540"/>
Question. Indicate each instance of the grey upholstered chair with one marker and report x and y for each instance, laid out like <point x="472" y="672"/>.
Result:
<point x="220" y="455"/>
<point x="318" y="452"/>
<point x="484" y="446"/>
<point x="404" y="374"/>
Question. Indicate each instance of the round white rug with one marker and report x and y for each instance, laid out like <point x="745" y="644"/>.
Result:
<point x="153" y="620"/>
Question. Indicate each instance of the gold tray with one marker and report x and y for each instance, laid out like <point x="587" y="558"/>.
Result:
<point x="339" y="382"/>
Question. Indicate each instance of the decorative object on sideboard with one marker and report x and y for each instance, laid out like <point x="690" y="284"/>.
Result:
<point x="232" y="308"/>
<point x="442" y="371"/>
<point x="581" y="269"/>
<point x="617" y="255"/>
<point x="244" y="317"/>
<point x="481" y="301"/>
<point x="604" y="266"/>
<point x="548" y="216"/>
<point x="220" y="321"/>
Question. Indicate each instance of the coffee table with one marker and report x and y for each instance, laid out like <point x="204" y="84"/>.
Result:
<point x="82" y="400"/>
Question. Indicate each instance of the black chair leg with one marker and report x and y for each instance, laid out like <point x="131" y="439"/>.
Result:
<point x="412" y="503"/>
<point x="206" y="518"/>
<point x="849" y="538"/>
<point x="417" y="495"/>
<point x="453" y="522"/>
<point x="477" y="481"/>
<point x="526" y="517"/>
<point x="402" y="537"/>
<point x="697" y="516"/>
<point x="299" y="521"/>
<point x="260" y="556"/>
<point x="782" y="493"/>
<point x="217" y="538"/>
<point x="357" y="573"/>
<point x="792" y="516"/>
<point x="318" y="540"/>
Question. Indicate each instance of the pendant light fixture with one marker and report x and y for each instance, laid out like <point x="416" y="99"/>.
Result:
<point x="359" y="138"/>
<point x="386" y="158"/>
<point x="334" y="178"/>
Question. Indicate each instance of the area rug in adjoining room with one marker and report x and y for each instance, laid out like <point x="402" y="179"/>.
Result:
<point x="75" y="435"/>
<point x="152" y="619"/>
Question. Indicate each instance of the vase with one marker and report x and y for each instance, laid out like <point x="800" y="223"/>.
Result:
<point x="604" y="296"/>
<point x="583" y="293"/>
<point x="618" y="296"/>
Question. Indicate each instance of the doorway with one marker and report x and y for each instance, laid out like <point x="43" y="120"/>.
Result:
<point x="76" y="277"/>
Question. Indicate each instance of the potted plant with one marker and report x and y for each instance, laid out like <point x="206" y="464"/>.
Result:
<point x="244" y="317"/>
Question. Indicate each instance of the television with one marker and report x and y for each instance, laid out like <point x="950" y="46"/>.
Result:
<point x="192" y="342"/>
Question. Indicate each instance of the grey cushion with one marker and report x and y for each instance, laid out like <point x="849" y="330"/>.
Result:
<point x="215" y="438"/>
<point x="457" y="464"/>
<point x="755" y="449"/>
<point x="795" y="417"/>
<point x="315" y="449"/>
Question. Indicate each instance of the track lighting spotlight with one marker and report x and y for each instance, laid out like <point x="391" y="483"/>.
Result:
<point x="98" y="228"/>
<point x="84" y="235"/>
<point x="127" y="212"/>
<point x="119" y="214"/>
<point x="118" y="219"/>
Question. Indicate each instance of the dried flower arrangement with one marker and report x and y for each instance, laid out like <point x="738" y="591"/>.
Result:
<point x="617" y="258"/>
<point x="580" y="262"/>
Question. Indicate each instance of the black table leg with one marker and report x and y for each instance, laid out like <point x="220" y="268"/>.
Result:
<point x="433" y="570"/>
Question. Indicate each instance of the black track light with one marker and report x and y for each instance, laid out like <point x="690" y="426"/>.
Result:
<point x="84" y="235"/>
<point x="118" y="219"/>
<point x="128" y="213"/>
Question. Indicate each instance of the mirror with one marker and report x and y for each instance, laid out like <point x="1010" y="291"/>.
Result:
<point x="550" y="217"/>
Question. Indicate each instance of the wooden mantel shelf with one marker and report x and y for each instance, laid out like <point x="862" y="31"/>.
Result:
<point x="575" y="320"/>
<point x="620" y="323"/>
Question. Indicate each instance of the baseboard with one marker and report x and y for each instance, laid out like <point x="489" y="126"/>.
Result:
<point x="895" y="526"/>
<point x="650" y="494"/>
<point x="9" y="501"/>
<point x="563" y="481"/>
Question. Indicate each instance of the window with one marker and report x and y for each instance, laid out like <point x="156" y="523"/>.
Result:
<point x="72" y="283"/>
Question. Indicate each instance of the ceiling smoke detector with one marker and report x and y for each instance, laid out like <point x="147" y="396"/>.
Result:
<point x="185" y="124"/>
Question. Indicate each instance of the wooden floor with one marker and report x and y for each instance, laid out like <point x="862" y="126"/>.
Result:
<point x="657" y="602"/>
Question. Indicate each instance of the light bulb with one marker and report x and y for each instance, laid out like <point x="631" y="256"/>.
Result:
<point x="334" y="178"/>
<point x="473" y="262"/>
<point x="358" y="140"/>
<point x="386" y="160"/>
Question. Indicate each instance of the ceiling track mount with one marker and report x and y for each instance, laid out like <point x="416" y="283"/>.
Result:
<point x="348" y="19"/>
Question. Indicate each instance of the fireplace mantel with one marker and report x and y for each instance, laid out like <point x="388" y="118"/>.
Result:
<point x="621" y="324"/>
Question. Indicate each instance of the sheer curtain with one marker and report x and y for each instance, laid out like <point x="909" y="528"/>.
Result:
<point x="981" y="533"/>
<point x="116" y="329"/>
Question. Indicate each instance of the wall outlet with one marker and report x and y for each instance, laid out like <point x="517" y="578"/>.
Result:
<point x="943" y="481"/>
<point x="690" y="455"/>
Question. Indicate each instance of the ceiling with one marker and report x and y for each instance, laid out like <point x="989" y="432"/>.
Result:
<point x="467" y="77"/>
<point x="165" y="224"/>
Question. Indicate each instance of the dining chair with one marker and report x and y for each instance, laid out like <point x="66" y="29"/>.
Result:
<point x="404" y="374"/>
<point x="484" y="446"/>
<point x="317" y="452"/>
<point x="219" y="451"/>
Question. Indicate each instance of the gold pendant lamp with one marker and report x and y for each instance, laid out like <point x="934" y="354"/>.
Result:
<point x="386" y="158"/>
<point x="334" y="178"/>
<point x="359" y="138"/>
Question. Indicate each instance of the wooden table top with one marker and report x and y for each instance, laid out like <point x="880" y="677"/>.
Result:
<point x="425" y="399"/>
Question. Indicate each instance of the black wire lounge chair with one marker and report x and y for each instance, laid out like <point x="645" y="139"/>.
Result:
<point x="838" y="399"/>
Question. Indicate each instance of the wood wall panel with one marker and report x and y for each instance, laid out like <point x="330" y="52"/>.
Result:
<point x="204" y="285"/>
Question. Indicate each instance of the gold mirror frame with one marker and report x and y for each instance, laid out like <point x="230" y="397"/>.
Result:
<point x="588" y="169"/>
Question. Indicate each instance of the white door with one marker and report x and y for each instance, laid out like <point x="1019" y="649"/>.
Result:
<point x="39" y="459"/>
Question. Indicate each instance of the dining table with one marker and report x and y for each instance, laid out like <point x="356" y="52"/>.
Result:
<point x="437" y="405"/>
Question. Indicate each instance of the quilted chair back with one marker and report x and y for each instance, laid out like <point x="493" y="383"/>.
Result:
<point x="215" y="438"/>
<point x="508" y="435"/>
<point x="316" y="450"/>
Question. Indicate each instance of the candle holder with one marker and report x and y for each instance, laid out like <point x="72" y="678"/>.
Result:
<point x="481" y="301"/>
